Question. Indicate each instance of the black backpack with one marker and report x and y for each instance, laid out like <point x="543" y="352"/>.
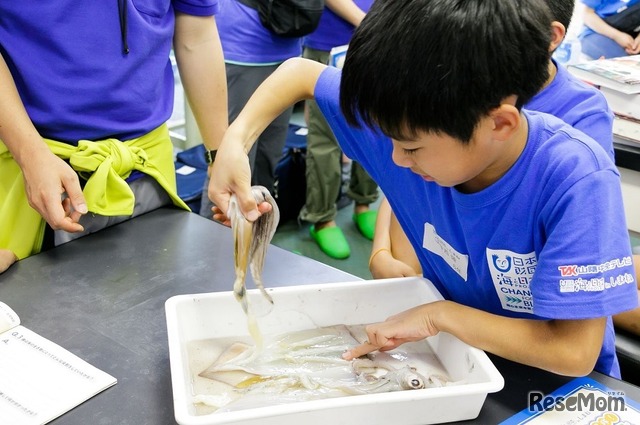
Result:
<point x="291" y="183"/>
<point x="288" y="18"/>
<point x="626" y="21"/>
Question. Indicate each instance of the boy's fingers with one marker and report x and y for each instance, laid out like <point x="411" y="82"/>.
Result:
<point x="247" y="203"/>
<point x="220" y="216"/>
<point x="264" y="207"/>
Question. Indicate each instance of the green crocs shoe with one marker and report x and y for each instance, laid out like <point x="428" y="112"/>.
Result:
<point x="366" y="223"/>
<point x="331" y="241"/>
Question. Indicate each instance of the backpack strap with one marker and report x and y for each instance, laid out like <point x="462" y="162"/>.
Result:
<point x="251" y="3"/>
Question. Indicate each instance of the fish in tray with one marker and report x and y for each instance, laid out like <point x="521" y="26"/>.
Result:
<point x="308" y="365"/>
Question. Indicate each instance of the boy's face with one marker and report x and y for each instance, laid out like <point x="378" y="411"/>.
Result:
<point x="448" y="162"/>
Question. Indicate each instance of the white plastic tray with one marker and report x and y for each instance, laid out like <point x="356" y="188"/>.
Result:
<point x="218" y="315"/>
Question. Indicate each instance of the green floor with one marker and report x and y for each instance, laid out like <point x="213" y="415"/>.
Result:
<point x="295" y="237"/>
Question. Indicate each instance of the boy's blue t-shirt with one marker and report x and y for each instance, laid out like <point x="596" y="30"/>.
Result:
<point x="75" y="80"/>
<point x="546" y="241"/>
<point x="246" y="41"/>
<point x="578" y="104"/>
<point x="333" y="31"/>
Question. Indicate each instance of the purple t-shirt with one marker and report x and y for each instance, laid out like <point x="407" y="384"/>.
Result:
<point x="332" y="30"/>
<point x="246" y="41"/>
<point x="578" y="104"/>
<point x="69" y="65"/>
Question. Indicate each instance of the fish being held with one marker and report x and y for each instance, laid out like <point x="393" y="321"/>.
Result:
<point x="308" y="365"/>
<point x="251" y="240"/>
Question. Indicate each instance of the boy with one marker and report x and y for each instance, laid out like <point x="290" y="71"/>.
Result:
<point x="563" y="95"/>
<point x="487" y="193"/>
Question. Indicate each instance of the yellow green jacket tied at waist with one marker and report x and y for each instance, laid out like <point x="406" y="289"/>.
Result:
<point x="104" y="164"/>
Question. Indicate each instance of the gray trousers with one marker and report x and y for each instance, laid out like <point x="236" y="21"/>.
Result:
<point x="324" y="165"/>
<point x="242" y="81"/>
<point x="149" y="196"/>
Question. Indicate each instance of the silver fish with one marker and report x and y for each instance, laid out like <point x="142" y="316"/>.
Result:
<point x="251" y="240"/>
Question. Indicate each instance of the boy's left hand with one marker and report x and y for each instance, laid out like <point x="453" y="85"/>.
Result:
<point x="411" y="325"/>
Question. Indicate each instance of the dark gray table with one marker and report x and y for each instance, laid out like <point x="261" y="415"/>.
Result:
<point x="102" y="297"/>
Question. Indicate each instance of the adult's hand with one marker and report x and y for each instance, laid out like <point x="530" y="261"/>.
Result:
<point x="53" y="189"/>
<point x="7" y="258"/>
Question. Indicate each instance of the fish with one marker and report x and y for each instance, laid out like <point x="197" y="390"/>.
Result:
<point x="251" y="240"/>
<point x="308" y="365"/>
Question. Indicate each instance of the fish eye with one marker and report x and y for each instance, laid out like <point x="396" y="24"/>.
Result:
<point x="416" y="383"/>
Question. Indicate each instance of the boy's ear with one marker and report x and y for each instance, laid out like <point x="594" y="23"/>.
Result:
<point x="506" y="121"/>
<point x="558" y="31"/>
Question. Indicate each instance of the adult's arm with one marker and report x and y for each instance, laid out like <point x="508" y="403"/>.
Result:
<point x="291" y="82"/>
<point x="201" y="64"/>
<point x="46" y="176"/>
<point x="347" y="10"/>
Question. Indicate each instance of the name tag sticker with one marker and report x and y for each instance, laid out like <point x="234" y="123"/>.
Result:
<point x="436" y="244"/>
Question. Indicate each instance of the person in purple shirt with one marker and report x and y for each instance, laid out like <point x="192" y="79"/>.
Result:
<point x="324" y="157"/>
<point x="251" y="54"/>
<point x="96" y="82"/>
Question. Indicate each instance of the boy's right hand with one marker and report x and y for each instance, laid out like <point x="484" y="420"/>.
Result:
<point x="231" y="174"/>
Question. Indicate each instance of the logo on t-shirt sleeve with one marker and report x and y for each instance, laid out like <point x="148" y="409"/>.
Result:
<point x="511" y="273"/>
<point x="595" y="277"/>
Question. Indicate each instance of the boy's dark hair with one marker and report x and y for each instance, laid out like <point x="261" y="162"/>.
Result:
<point x="441" y="65"/>
<point x="561" y="11"/>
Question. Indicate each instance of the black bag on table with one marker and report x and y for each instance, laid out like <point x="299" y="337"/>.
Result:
<point x="288" y="18"/>
<point x="626" y="21"/>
